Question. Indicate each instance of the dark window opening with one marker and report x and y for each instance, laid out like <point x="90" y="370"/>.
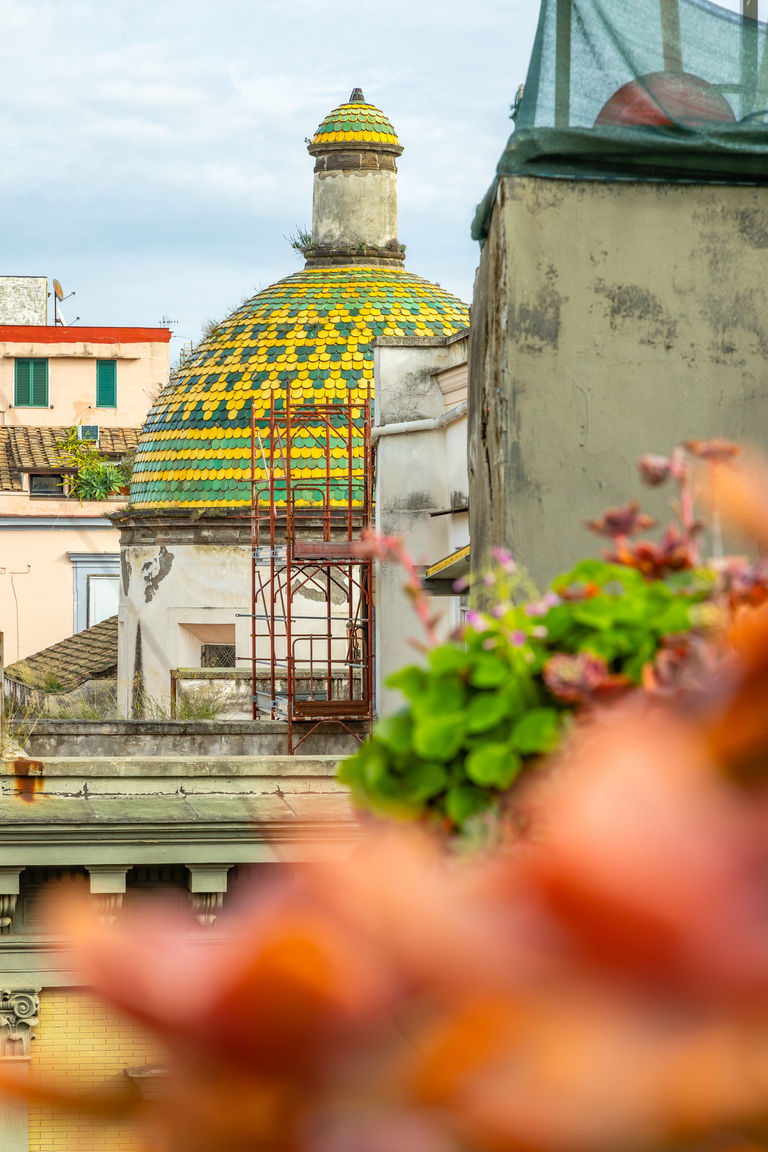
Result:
<point x="49" y="484"/>
<point x="217" y="656"/>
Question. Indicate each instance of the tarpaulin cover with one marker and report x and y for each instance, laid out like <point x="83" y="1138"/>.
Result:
<point x="641" y="90"/>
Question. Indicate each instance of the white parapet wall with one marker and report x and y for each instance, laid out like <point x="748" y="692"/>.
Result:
<point x="421" y="469"/>
<point x="23" y="300"/>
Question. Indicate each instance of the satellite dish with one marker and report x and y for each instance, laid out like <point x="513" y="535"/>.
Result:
<point x="58" y="290"/>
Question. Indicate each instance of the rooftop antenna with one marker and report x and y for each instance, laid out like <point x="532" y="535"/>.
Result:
<point x="166" y="322"/>
<point x="670" y="35"/>
<point x="749" y="57"/>
<point x="58" y="296"/>
<point x="563" y="29"/>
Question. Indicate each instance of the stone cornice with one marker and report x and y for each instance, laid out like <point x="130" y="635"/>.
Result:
<point x="198" y="526"/>
<point x="150" y="832"/>
<point x="353" y="146"/>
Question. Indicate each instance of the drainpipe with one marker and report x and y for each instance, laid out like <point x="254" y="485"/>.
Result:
<point x="429" y="425"/>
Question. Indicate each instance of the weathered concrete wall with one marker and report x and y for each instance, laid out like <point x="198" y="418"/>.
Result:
<point x="354" y="207"/>
<point x="176" y="596"/>
<point x="195" y="819"/>
<point x="206" y="738"/>
<point x="94" y="694"/>
<point x="23" y="300"/>
<point x="417" y="473"/>
<point x="165" y="589"/>
<point x="609" y="320"/>
<point x="152" y="810"/>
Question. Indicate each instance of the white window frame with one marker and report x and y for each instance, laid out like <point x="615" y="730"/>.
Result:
<point x="87" y="564"/>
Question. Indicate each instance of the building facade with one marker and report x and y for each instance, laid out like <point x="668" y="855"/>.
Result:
<point x="620" y="306"/>
<point x="307" y="340"/>
<point x="422" y="486"/>
<point x="60" y="555"/>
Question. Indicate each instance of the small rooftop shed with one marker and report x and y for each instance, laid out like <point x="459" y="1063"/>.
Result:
<point x="621" y="303"/>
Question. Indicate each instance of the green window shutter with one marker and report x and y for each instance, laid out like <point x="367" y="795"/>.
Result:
<point x="22" y="394"/>
<point x="31" y="384"/>
<point x="106" y="383"/>
<point x="40" y="383"/>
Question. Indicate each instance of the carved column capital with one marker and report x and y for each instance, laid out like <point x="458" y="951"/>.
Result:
<point x="19" y="1008"/>
<point x="107" y="884"/>
<point x="207" y="885"/>
<point x="9" y="895"/>
<point x="206" y="907"/>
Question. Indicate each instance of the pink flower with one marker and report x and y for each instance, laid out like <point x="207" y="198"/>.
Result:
<point x="714" y="449"/>
<point x="579" y="679"/>
<point x="655" y="470"/>
<point x="675" y="552"/>
<point x="391" y="549"/>
<point x="542" y="606"/>
<point x="626" y="520"/>
<point x="504" y="559"/>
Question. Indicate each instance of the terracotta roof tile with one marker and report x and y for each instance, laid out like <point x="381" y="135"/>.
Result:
<point x="88" y="655"/>
<point x="10" y="479"/>
<point x="24" y="449"/>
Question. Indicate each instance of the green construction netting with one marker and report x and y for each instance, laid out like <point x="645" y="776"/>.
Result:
<point x="644" y="90"/>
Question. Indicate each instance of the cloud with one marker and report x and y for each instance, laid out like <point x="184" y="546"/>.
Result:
<point x="154" y="156"/>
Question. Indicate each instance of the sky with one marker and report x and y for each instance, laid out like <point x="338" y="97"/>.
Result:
<point x="154" y="156"/>
<point x="153" y="151"/>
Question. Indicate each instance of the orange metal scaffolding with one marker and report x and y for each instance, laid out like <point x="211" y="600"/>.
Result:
<point x="304" y="537"/>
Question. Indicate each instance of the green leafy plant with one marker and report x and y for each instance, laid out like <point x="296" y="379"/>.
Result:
<point x="500" y="695"/>
<point x="301" y="241"/>
<point x="52" y="684"/>
<point x="99" y="480"/>
<point x="489" y="703"/>
<point x="94" y="476"/>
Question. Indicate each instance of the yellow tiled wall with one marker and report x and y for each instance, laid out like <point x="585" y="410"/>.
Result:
<point x="80" y="1039"/>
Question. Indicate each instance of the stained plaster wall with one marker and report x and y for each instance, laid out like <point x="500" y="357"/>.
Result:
<point x="142" y="371"/>
<point x="163" y="588"/>
<point x="609" y="320"/>
<point x="354" y="207"/>
<point x="37" y="577"/>
<point x="417" y="473"/>
<point x="177" y="596"/>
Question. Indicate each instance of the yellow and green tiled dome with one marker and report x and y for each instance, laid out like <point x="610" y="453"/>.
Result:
<point x="308" y="337"/>
<point x="356" y="123"/>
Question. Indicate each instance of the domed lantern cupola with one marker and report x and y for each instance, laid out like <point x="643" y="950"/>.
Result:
<point x="354" y="205"/>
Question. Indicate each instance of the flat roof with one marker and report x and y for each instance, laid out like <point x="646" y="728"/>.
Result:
<point x="454" y="565"/>
<point x="72" y="334"/>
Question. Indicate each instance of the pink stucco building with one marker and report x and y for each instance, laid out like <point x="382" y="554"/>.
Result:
<point x="59" y="558"/>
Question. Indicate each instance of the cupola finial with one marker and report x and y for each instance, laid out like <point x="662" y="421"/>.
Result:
<point x="354" y="198"/>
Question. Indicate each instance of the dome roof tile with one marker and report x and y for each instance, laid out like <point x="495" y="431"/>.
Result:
<point x="197" y="434"/>
<point x="356" y="123"/>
